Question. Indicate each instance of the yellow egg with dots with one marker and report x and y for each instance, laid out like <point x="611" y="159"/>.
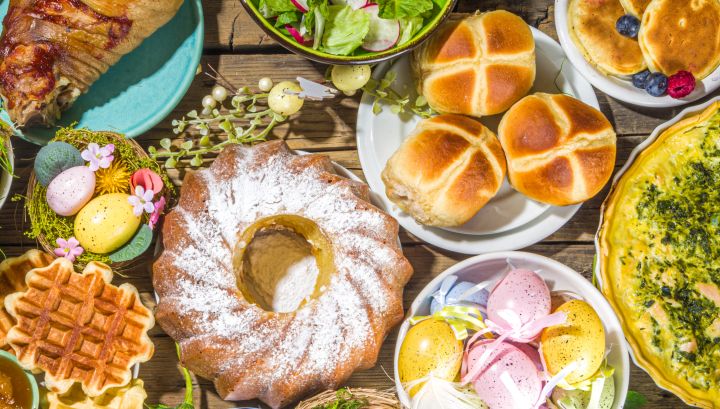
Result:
<point x="350" y="78"/>
<point x="282" y="99"/>
<point x="106" y="223"/>
<point x="429" y="347"/>
<point x="581" y="339"/>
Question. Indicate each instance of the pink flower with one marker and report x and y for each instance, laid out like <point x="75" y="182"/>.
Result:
<point x="69" y="248"/>
<point x="155" y="217"/>
<point x="98" y="157"/>
<point x="148" y="180"/>
<point x="142" y="201"/>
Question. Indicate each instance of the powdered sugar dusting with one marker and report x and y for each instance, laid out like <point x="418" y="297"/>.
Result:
<point x="326" y="332"/>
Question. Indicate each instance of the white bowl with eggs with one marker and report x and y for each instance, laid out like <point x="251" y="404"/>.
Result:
<point x="558" y="277"/>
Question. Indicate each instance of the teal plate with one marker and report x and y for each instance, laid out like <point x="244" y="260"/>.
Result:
<point x="143" y="87"/>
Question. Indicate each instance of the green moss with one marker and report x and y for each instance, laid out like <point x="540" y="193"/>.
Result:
<point x="45" y="222"/>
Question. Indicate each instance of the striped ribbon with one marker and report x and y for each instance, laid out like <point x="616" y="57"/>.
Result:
<point x="460" y="318"/>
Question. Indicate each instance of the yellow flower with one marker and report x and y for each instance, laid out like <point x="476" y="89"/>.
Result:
<point x="115" y="179"/>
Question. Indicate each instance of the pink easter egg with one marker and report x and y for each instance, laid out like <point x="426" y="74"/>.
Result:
<point x="531" y="352"/>
<point x="69" y="191"/>
<point x="522" y="294"/>
<point x="509" y="379"/>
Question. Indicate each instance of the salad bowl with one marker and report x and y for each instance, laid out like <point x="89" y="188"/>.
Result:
<point x="384" y="40"/>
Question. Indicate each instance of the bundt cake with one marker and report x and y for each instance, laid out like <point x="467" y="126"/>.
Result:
<point x="260" y="325"/>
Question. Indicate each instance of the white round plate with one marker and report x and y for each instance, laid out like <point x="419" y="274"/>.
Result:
<point x="558" y="277"/>
<point x="510" y="220"/>
<point x="618" y="88"/>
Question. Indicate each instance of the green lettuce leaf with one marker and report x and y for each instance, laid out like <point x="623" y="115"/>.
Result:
<point x="408" y="28"/>
<point x="345" y="30"/>
<point x="287" y="17"/>
<point x="315" y="7"/>
<point x="404" y="8"/>
<point x="279" y="6"/>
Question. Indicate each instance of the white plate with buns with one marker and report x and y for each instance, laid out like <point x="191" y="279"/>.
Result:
<point x="619" y="87"/>
<point x="510" y="220"/>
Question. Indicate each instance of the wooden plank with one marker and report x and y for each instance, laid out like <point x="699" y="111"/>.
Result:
<point x="164" y="383"/>
<point x="243" y="53"/>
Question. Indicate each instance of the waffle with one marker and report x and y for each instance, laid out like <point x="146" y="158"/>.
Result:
<point x="12" y="279"/>
<point x="79" y="327"/>
<point x="131" y="396"/>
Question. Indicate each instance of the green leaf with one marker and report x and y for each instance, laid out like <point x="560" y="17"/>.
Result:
<point x="390" y="9"/>
<point x="421" y="101"/>
<point x="409" y="27"/>
<point x="635" y="400"/>
<point x="376" y="108"/>
<point x="286" y="18"/>
<point x="226" y="126"/>
<point x="170" y="163"/>
<point x="166" y="143"/>
<point x="187" y="145"/>
<point x="152" y="150"/>
<point x="205" y="141"/>
<point x="196" y="161"/>
<point x="280" y="6"/>
<point x="192" y="114"/>
<point x="345" y="30"/>
<point x="396" y="109"/>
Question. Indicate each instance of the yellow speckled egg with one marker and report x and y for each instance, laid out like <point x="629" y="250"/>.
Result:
<point x="429" y="346"/>
<point x="581" y="339"/>
<point x="106" y="223"/>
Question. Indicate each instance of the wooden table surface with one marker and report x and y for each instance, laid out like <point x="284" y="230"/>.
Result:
<point x="244" y="54"/>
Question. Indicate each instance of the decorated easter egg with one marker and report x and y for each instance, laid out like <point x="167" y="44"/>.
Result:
<point x="520" y="296"/>
<point x="455" y="297"/>
<point x="106" y="223"/>
<point x="581" y="340"/>
<point x="71" y="190"/>
<point x="55" y="158"/>
<point x="505" y="366"/>
<point x="531" y="352"/>
<point x="429" y="346"/>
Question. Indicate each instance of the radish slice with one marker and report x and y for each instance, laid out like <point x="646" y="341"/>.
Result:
<point x="355" y="4"/>
<point x="297" y="35"/>
<point x="301" y="5"/>
<point x="383" y="34"/>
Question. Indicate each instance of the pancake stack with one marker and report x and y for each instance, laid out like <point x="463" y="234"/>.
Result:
<point x="674" y="36"/>
<point x="592" y="27"/>
<point x="635" y="7"/>
<point x="680" y="35"/>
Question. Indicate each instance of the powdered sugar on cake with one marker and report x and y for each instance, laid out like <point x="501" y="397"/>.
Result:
<point x="334" y="329"/>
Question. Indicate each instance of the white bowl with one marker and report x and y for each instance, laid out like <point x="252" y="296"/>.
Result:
<point x="558" y="276"/>
<point x="6" y="178"/>
<point x="617" y="88"/>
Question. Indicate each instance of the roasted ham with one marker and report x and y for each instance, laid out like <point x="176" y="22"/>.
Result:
<point x="51" y="51"/>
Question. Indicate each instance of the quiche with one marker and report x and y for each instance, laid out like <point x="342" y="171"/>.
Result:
<point x="659" y="258"/>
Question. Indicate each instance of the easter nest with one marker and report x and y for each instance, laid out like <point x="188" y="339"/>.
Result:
<point x="356" y="398"/>
<point x="46" y="226"/>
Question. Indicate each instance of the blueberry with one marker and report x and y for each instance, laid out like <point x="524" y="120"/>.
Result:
<point x="639" y="79"/>
<point x="628" y="25"/>
<point x="656" y="84"/>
